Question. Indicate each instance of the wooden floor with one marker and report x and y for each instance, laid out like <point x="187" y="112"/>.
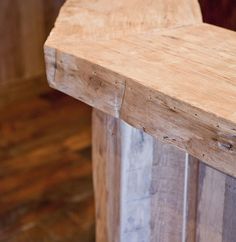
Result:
<point x="45" y="171"/>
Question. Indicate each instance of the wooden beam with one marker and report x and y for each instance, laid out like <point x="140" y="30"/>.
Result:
<point x="184" y="96"/>
<point x="106" y="176"/>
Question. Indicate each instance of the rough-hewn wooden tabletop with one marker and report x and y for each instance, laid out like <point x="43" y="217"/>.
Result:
<point x="174" y="77"/>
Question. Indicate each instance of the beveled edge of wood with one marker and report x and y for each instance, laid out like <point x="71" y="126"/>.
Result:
<point x="215" y="144"/>
<point x="210" y="138"/>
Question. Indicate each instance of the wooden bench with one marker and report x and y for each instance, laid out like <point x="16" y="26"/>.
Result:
<point x="163" y="88"/>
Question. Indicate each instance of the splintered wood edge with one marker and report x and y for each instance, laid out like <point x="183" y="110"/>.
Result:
<point x="200" y="133"/>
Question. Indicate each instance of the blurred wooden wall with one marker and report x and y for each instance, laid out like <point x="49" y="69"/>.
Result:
<point x="24" y="26"/>
<point x="45" y="156"/>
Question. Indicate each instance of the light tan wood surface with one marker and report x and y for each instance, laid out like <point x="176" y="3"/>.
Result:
<point x="156" y="68"/>
<point x="106" y="19"/>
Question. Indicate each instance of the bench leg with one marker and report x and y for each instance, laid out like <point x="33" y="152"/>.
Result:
<point x="145" y="191"/>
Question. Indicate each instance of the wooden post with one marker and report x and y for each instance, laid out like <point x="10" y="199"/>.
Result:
<point x="143" y="189"/>
<point x="148" y="191"/>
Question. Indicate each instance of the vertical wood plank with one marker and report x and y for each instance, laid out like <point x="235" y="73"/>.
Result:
<point x="210" y="205"/>
<point x="175" y="176"/>
<point x="192" y="193"/>
<point x="229" y="217"/>
<point x="106" y="176"/>
<point x="137" y="155"/>
<point x="216" y="206"/>
<point x="168" y="193"/>
<point x="140" y="185"/>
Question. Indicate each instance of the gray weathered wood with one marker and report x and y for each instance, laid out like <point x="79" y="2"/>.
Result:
<point x="140" y="185"/>
<point x="216" y="219"/>
<point x="127" y="64"/>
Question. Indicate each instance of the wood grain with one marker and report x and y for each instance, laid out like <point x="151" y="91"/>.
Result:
<point x="106" y="19"/>
<point x="140" y="185"/>
<point x="127" y="64"/>
<point x="184" y="96"/>
<point x="106" y="176"/>
<point x="173" y="194"/>
<point x="216" y="206"/>
<point x="113" y="20"/>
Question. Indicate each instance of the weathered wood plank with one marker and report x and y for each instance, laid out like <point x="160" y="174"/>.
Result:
<point x="216" y="206"/>
<point x="106" y="19"/>
<point x="173" y="194"/>
<point x="191" y="184"/>
<point x="106" y="176"/>
<point x="142" y="186"/>
<point x="144" y="194"/>
<point x="184" y="96"/>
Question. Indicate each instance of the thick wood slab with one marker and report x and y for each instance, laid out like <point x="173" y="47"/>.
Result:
<point x="174" y="79"/>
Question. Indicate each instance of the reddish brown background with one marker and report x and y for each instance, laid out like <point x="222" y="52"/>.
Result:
<point x="219" y="12"/>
